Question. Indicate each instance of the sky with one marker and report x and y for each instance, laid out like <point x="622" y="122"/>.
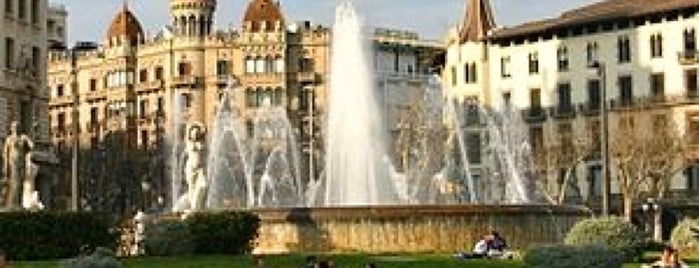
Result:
<point x="88" y="19"/>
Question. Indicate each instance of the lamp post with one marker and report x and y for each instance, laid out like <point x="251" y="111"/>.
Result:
<point x="606" y="179"/>
<point x="652" y="209"/>
<point x="75" y="117"/>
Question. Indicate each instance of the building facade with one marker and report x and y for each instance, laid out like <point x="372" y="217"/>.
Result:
<point x="640" y="54"/>
<point x="23" y="95"/>
<point x="128" y="89"/>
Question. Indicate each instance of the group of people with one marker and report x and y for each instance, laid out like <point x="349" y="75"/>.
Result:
<point x="491" y="245"/>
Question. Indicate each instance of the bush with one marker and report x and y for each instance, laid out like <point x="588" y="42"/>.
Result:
<point x="53" y="235"/>
<point x="101" y="258"/>
<point x="613" y="232"/>
<point x="685" y="236"/>
<point x="168" y="238"/>
<point x="223" y="232"/>
<point x="561" y="256"/>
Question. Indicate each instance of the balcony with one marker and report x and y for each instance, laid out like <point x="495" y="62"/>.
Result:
<point x="263" y="79"/>
<point x="688" y="57"/>
<point x="563" y="112"/>
<point x="149" y="86"/>
<point x="61" y="101"/>
<point x="621" y="104"/>
<point x="307" y="77"/>
<point x="96" y="95"/>
<point x="186" y="81"/>
<point x="534" y="115"/>
<point x="590" y="108"/>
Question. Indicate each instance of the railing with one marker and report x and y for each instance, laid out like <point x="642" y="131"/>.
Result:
<point x="534" y="115"/>
<point x="590" y="108"/>
<point x="149" y="85"/>
<point x="563" y="112"/>
<point x="307" y="77"/>
<point x="688" y="57"/>
<point x="96" y="95"/>
<point x="186" y="80"/>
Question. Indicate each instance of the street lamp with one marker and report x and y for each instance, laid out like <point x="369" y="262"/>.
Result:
<point x="75" y="117"/>
<point x="651" y="208"/>
<point x="606" y="180"/>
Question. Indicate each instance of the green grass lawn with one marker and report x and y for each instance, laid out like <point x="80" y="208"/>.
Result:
<point x="295" y="261"/>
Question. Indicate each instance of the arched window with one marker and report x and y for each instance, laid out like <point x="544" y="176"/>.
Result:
<point x="192" y="25"/>
<point x="250" y="97"/>
<point x="259" y="97"/>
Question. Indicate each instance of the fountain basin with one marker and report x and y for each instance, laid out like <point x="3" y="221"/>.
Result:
<point x="410" y="229"/>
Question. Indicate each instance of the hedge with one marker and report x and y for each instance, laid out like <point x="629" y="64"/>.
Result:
<point x="53" y="235"/>
<point x="613" y="232"/>
<point x="168" y="237"/>
<point x="564" y="256"/>
<point x="223" y="232"/>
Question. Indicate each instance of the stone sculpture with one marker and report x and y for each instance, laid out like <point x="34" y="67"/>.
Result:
<point x="195" y="176"/>
<point x="18" y="168"/>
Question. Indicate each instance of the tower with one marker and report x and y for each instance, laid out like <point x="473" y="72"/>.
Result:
<point x="125" y="29"/>
<point x="478" y="21"/>
<point x="192" y="17"/>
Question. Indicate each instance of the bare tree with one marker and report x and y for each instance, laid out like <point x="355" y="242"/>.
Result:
<point x="646" y="158"/>
<point x="563" y="156"/>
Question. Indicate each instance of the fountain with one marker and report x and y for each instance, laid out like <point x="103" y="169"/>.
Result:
<point x="364" y="201"/>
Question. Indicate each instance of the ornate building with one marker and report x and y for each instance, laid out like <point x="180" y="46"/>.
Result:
<point x="641" y="54"/>
<point x="131" y="85"/>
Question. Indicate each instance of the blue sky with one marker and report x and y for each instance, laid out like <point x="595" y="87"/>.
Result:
<point x="89" y="19"/>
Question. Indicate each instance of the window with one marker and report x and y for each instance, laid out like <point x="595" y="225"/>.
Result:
<point x="222" y="67"/>
<point x="22" y="9"/>
<point x="626" y="90"/>
<point x="692" y="175"/>
<point x="59" y="90"/>
<point x="144" y="139"/>
<point x="249" y="65"/>
<point x="187" y="100"/>
<point x="143" y="75"/>
<point x="35" y="11"/>
<point x="505" y="67"/>
<point x="657" y="85"/>
<point x="250" y="98"/>
<point x="184" y="68"/>
<point x="93" y="84"/>
<point x="690" y="40"/>
<point x="592" y="53"/>
<point x="94" y="117"/>
<point x="594" y="94"/>
<point x="536" y="138"/>
<point x="305" y="65"/>
<point x="278" y="96"/>
<point x="161" y="104"/>
<point x="279" y="64"/>
<point x="473" y="143"/>
<point x="472" y="114"/>
<point x="507" y="98"/>
<point x="9" y="53"/>
<point x="9" y="7"/>
<point x="690" y="77"/>
<point x="36" y="60"/>
<point x="470" y="73"/>
<point x="535" y="99"/>
<point x="533" y="63"/>
<point x="656" y="46"/>
<point x="143" y="108"/>
<point x="61" y="121"/>
<point x="624" y="49"/>
<point x="564" y="100"/>
<point x="563" y="60"/>
<point x="260" y="65"/>
<point x="159" y="73"/>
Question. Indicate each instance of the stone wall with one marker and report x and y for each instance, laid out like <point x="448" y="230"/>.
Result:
<point x="409" y="229"/>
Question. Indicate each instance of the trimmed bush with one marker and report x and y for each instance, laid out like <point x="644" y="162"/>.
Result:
<point x="168" y="238"/>
<point x="685" y="236"/>
<point x="53" y="235"/>
<point x="101" y="258"/>
<point x="563" y="256"/>
<point x="613" y="232"/>
<point x="223" y="232"/>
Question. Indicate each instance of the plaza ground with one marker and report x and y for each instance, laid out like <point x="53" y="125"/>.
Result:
<point x="295" y="261"/>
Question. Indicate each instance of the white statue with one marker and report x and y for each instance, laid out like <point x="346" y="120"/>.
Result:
<point x="30" y="196"/>
<point x="194" y="168"/>
<point x="17" y="157"/>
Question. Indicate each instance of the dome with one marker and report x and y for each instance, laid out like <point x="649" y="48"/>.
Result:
<point x="125" y="26"/>
<point x="263" y="11"/>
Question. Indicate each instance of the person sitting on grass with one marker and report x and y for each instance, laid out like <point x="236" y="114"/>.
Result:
<point x="669" y="259"/>
<point x="497" y="247"/>
<point x="480" y="250"/>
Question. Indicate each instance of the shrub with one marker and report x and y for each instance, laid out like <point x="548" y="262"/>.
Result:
<point x="562" y="256"/>
<point x="613" y="232"/>
<point x="168" y="238"/>
<point x="53" y="235"/>
<point x="685" y="236"/>
<point x="223" y="232"/>
<point x="101" y="258"/>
